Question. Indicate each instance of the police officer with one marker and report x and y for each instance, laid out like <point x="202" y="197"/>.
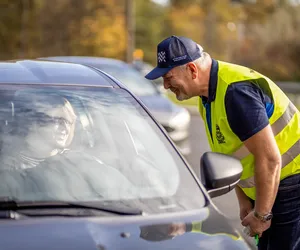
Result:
<point x="246" y="115"/>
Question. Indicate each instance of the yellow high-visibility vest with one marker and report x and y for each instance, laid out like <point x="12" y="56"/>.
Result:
<point x="284" y="121"/>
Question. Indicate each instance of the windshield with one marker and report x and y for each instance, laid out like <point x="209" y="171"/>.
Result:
<point x="131" y="78"/>
<point x="89" y="144"/>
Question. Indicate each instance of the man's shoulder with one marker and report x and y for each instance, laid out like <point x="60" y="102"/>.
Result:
<point x="245" y="105"/>
<point x="245" y="86"/>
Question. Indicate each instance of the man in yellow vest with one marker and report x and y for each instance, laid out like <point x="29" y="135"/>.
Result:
<point x="246" y="115"/>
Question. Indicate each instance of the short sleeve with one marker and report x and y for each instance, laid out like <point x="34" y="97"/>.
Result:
<point x="245" y="108"/>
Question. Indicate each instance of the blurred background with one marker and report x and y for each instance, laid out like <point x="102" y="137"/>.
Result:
<point x="261" y="34"/>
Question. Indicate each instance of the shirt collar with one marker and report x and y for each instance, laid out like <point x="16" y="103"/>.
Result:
<point x="212" y="85"/>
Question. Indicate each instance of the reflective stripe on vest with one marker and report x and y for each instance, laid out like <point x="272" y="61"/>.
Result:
<point x="277" y="127"/>
<point x="286" y="158"/>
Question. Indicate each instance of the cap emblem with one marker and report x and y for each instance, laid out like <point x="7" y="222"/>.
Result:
<point x="161" y="56"/>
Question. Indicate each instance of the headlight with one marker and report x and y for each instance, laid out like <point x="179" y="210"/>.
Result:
<point x="181" y="119"/>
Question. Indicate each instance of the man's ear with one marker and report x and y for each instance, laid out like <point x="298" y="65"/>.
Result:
<point x="193" y="69"/>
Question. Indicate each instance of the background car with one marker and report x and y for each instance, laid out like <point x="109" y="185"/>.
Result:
<point x="118" y="181"/>
<point x="175" y="119"/>
<point x="144" y="68"/>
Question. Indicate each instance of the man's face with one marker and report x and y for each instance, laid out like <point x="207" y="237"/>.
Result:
<point x="179" y="81"/>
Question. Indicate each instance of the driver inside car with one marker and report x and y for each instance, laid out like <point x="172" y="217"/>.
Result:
<point x="43" y="127"/>
<point x="38" y="163"/>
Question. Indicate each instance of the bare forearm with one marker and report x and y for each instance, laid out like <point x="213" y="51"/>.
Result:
<point x="240" y="194"/>
<point x="267" y="177"/>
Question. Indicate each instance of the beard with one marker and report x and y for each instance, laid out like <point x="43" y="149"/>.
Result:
<point x="181" y="96"/>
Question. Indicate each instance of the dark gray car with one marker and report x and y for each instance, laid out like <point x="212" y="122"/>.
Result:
<point x="84" y="165"/>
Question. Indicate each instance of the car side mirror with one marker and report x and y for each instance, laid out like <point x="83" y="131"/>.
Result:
<point x="220" y="173"/>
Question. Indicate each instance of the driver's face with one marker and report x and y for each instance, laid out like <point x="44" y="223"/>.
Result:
<point x="57" y="127"/>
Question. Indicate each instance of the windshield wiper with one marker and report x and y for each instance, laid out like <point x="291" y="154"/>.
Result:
<point x="7" y="203"/>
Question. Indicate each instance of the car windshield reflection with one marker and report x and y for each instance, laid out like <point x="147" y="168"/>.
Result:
<point x="89" y="144"/>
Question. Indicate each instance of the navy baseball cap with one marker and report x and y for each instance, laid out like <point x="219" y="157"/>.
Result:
<point x="172" y="52"/>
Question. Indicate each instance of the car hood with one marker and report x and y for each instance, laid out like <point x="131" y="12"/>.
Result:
<point x="161" y="107"/>
<point x="206" y="230"/>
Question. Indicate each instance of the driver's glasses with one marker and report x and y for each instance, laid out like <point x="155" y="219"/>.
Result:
<point x="60" y="121"/>
<point x="46" y="120"/>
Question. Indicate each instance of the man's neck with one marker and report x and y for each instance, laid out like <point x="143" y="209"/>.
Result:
<point x="205" y="90"/>
<point x="205" y="76"/>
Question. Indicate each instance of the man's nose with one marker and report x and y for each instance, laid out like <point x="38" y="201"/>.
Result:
<point x="166" y="85"/>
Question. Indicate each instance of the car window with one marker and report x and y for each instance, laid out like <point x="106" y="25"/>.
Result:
<point x="89" y="144"/>
<point x="129" y="76"/>
<point x="49" y="72"/>
<point x="69" y="73"/>
<point x="15" y="73"/>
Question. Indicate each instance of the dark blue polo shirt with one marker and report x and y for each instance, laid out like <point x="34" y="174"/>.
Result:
<point x="248" y="108"/>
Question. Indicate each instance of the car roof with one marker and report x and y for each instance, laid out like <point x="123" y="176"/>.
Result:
<point x="88" y="60"/>
<point x="50" y="72"/>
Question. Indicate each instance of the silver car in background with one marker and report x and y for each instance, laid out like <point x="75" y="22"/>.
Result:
<point x="175" y="119"/>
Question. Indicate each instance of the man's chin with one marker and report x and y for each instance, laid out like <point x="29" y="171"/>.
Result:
<point x="182" y="98"/>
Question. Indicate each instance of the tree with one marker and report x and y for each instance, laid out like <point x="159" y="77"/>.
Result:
<point x="150" y="27"/>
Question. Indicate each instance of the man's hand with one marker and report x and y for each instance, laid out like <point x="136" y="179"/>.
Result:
<point x="245" y="204"/>
<point x="177" y="229"/>
<point x="255" y="225"/>
<point x="245" y="208"/>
